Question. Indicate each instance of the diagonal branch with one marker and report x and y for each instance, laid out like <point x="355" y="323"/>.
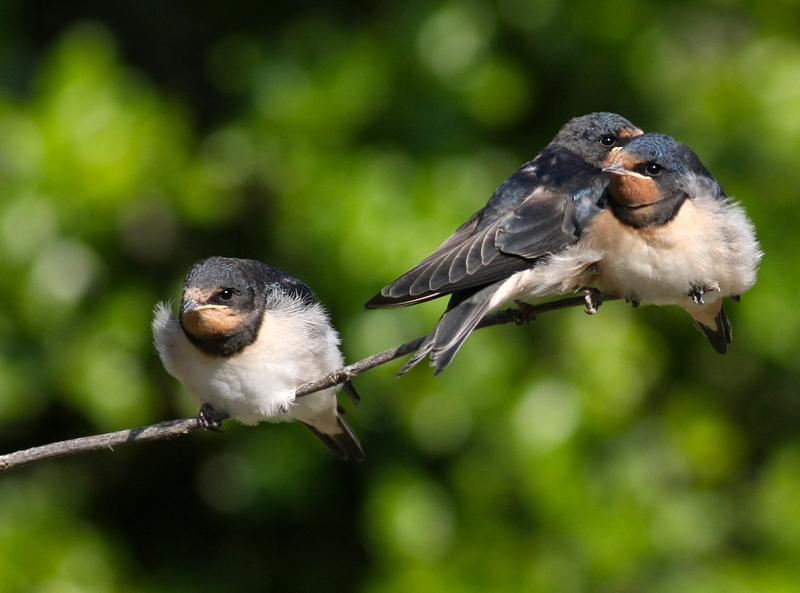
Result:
<point x="518" y="316"/>
<point x="176" y="428"/>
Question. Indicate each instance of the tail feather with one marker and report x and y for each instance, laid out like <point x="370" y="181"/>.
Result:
<point x="721" y="334"/>
<point x="344" y="444"/>
<point x="454" y="327"/>
<point x="421" y="353"/>
<point x="350" y="390"/>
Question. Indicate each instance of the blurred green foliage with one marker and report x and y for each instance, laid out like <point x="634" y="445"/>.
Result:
<point x="342" y="143"/>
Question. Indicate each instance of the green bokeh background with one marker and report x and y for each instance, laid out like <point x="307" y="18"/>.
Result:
<point x="342" y="142"/>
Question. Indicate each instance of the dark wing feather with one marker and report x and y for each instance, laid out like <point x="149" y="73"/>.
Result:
<point x="477" y="256"/>
<point x="538" y="226"/>
<point x="540" y="209"/>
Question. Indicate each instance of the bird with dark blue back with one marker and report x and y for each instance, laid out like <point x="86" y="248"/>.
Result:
<point x="524" y="244"/>
<point x="601" y="207"/>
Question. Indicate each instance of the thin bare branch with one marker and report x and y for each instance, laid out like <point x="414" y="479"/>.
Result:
<point x="176" y="428"/>
<point x="162" y="430"/>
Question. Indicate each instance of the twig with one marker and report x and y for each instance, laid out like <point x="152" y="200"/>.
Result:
<point x="176" y="428"/>
<point x="162" y="430"/>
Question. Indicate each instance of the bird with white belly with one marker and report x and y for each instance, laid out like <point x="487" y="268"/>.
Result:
<point x="669" y="235"/>
<point x="246" y="337"/>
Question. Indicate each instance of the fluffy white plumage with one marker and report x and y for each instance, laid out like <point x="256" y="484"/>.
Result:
<point x="559" y="273"/>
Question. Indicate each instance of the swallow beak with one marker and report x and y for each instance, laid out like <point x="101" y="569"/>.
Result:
<point x="191" y="307"/>
<point x="616" y="169"/>
<point x="205" y="319"/>
<point x="188" y="306"/>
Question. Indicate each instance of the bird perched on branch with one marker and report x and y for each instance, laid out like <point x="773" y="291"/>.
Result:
<point x="524" y="244"/>
<point x="670" y="235"/>
<point x="246" y="336"/>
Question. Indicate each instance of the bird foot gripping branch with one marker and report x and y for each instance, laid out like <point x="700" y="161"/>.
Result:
<point x="525" y="314"/>
<point x="697" y="292"/>
<point x="592" y="305"/>
<point x="210" y="419"/>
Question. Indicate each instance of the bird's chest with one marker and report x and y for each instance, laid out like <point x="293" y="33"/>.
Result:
<point x="658" y="264"/>
<point x="258" y="373"/>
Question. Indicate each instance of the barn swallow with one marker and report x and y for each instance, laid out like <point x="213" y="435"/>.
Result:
<point x="246" y="336"/>
<point x="523" y="243"/>
<point x="670" y="235"/>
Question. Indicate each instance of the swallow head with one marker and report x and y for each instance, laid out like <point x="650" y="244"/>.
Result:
<point x="646" y="186"/>
<point x="223" y="304"/>
<point x="648" y="169"/>
<point x="597" y="137"/>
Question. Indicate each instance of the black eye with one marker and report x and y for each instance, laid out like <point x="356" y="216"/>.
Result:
<point x="653" y="169"/>
<point x="608" y="140"/>
<point x="226" y="294"/>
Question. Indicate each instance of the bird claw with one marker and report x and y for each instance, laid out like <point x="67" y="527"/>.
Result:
<point x="525" y="314"/>
<point x="591" y="305"/>
<point x="210" y="419"/>
<point x="697" y="292"/>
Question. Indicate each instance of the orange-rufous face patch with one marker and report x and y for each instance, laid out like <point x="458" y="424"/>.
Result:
<point x="630" y="188"/>
<point x="634" y="190"/>
<point x="212" y="320"/>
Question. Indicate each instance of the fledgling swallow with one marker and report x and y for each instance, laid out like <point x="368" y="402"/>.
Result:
<point x="670" y="235"/>
<point x="523" y="243"/>
<point x="246" y="336"/>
